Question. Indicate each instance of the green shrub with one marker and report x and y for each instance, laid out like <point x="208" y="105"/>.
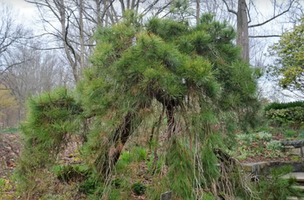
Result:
<point x="274" y="145"/>
<point x="276" y="187"/>
<point x="248" y="138"/>
<point x="290" y="133"/>
<point x="117" y="182"/>
<point x="138" y="188"/>
<point x="90" y="186"/>
<point x="68" y="172"/>
<point x="125" y="157"/>
<point x="288" y="115"/>
<point x="278" y="106"/>
<point x="264" y="136"/>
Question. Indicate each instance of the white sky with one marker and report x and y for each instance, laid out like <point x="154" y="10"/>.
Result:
<point x="25" y="10"/>
<point x="20" y="4"/>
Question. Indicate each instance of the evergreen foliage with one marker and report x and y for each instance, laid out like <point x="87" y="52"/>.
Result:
<point x="50" y="122"/>
<point x="195" y="75"/>
<point x="192" y="76"/>
<point x="181" y="171"/>
<point x="278" y="187"/>
<point x="278" y="106"/>
<point x="291" y="112"/>
<point x="288" y="66"/>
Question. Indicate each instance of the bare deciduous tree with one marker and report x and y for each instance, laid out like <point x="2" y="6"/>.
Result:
<point x="11" y="33"/>
<point x="244" y="19"/>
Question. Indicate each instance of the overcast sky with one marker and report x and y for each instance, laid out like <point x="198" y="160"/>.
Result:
<point x="26" y="10"/>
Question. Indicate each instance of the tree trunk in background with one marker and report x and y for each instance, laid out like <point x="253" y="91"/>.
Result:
<point x="82" y="61"/>
<point x="242" y="29"/>
<point x="69" y="50"/>
<point x="197" y="11"/>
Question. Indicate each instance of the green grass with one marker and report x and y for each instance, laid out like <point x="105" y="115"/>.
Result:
<point x="9" y="130"/>
<point x="138" y="154"/>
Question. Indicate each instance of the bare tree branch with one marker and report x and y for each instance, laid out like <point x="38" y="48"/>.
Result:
<point x="274" y="17"/>
<point x="229" y="10"/>
<point x="263" y="36"/>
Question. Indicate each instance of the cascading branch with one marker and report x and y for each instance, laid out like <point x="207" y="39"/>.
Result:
<point x="192" y="76"/>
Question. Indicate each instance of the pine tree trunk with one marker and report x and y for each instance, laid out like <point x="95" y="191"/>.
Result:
<point x="119" y="139"/>
<point x="170" y="120"/>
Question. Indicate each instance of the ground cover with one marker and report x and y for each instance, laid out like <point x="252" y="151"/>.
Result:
<point x="135" y="170"/>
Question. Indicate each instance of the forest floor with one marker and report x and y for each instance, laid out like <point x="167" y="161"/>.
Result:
<point x="263" y="158"/>
<point x="10" y="149"/>
<point x="11" y="145"/>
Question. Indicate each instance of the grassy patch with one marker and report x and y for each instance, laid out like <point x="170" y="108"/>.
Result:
<point x="9" y="130"/>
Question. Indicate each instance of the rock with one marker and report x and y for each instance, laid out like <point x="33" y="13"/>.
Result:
<point x="292" y="150"/>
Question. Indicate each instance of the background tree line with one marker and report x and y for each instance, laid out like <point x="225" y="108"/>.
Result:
<point x="56" y="51"/>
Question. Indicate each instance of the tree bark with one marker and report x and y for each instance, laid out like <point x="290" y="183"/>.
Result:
<point x="82" y="61"/>
<point x="119" y="139"/>
<point x="197" y="12"/>
<point x="242" y="29"/>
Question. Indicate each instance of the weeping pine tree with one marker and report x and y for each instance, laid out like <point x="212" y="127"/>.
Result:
<point x="193" y="77"/>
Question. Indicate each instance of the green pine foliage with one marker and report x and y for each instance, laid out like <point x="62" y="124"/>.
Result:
<point x="278" y="187"/>
<point x="181" y="170"/>
<point x="192" y="78"/>
<point x="50" y="121"/>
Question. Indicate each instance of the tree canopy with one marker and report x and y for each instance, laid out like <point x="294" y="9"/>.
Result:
<point x="7" y="101"/>
<point x="288" y="66"/>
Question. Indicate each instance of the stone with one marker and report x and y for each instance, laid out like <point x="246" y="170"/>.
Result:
<point x="293" y="151"/>
<point x="256" y="168"/>
<point x="166" y="195"/>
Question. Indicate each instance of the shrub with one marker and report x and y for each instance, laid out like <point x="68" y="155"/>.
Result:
<point x="278" y="106"/>
<point x="288" y="115"/>
<point x="274" y="145"/>
<point x="264" y="136"/>
<point x="276" y="187"/>
<point x="68" y="172"/>
<point x="138" y="188"/>
<point x="290" y="133"/>
<point x="89" y="186"/>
